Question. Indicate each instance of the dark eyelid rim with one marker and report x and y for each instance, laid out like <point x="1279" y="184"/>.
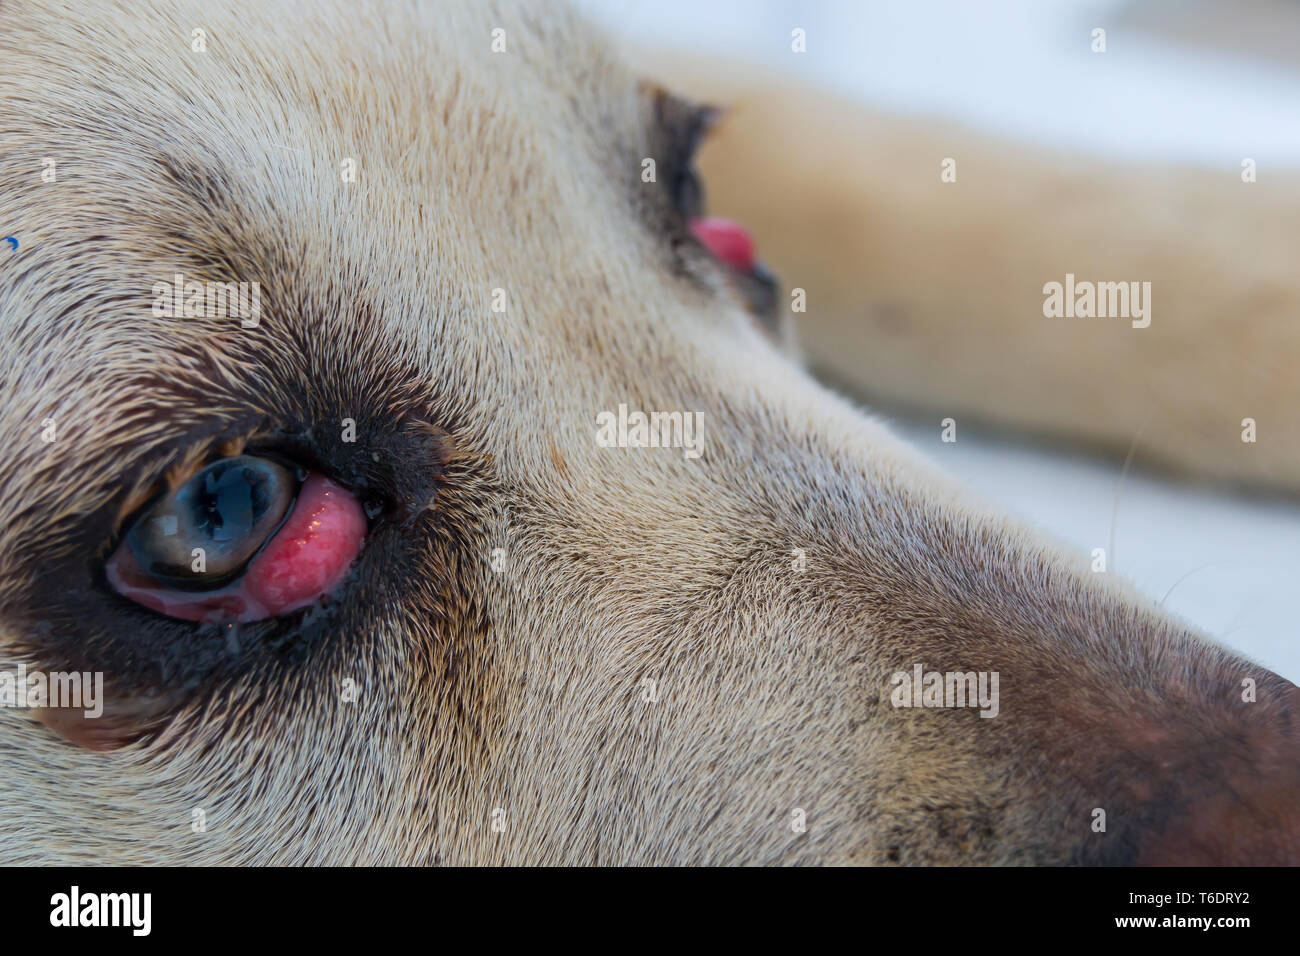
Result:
<point x="254" y="445"/>
<point x="681" y="124"/>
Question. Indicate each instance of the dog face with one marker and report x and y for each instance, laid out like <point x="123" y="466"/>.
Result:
<point x="548" y="647"/>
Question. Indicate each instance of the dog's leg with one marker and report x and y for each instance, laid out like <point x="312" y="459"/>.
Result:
<point x="930" y="294"/>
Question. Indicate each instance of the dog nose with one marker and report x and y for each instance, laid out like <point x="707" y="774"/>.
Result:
<point x="1240" y="806"/>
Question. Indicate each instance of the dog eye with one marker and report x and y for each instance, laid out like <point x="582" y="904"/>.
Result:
<point x="682" y="127"/>
<point x="245" y="539"/>
<point x="227" y="511"/>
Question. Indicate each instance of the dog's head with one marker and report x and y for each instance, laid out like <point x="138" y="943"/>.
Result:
<point x="604" y="576"/>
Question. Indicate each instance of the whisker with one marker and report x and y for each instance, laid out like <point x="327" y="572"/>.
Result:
<point x="1128" y="461"/>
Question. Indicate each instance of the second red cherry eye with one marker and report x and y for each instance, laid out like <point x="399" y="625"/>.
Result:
<point x="730" y="242"/>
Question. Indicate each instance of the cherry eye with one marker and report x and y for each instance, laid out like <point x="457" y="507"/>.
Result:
<point x="243" y="540"/>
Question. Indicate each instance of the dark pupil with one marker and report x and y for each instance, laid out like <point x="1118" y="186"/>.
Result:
<point x="230" y="502"/>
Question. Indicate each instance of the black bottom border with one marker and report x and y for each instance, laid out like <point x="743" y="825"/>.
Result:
<point x="948" y="907"/>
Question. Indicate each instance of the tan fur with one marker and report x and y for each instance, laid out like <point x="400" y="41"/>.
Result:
<point x="520" y="690"/>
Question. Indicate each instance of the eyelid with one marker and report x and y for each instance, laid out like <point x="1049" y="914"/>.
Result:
<point x="192" y="455"/>
<point x="683" y="125"/>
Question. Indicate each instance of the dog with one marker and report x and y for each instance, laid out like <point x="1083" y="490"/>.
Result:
<point x="591" y="570"/>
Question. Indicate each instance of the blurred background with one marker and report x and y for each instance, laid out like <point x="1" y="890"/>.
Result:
<point x="1188" y="82"/>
